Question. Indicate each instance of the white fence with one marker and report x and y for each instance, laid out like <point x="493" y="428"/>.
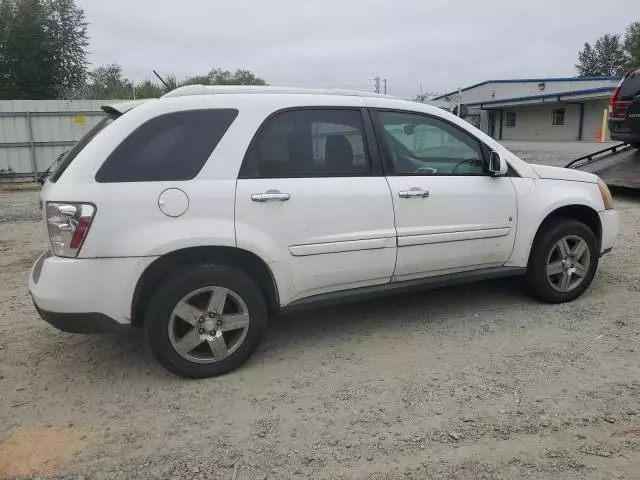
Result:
<point x="33" y="133"/>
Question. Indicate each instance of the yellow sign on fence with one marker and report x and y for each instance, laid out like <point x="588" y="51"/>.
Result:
<point x="79" y="119"/>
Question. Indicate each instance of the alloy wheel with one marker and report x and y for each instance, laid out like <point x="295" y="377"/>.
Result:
<point x="208" y="324"/>
<point x="568" y="263"/>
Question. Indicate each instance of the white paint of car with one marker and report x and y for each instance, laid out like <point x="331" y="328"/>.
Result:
<point x="332" y="234"/>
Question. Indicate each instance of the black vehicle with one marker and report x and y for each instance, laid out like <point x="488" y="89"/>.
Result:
<point x="624" y="110"/>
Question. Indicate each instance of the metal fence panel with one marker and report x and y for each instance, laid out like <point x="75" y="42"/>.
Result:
<point x="33" y="133"/>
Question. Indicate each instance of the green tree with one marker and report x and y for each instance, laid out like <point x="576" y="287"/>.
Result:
<point x="24" y="61"/>
<point x="587" y="61"/>
<point x="42" y="48"/>
<point x="107" y="83"/>
<point x="606" y="57"/>
<point x="218" y="76"/>
<point x="149" y="89"/>
<point x="632" y="46"/>
<point x="66" y="29"/>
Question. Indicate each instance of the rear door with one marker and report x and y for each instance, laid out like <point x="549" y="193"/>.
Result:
<point x="312" y="200"/>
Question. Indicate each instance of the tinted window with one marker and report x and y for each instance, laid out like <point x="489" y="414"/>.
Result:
<point x="630" y="86"/>
<point x="558" y="117"/>
<point x="511" y="119"/>
<point x="309" y="143"/>
<point x="68" y="157"/>
<point x="422" y="145"/>
<point x="174" y="146"/>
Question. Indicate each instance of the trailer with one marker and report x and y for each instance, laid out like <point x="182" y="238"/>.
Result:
<point x="618" y="166"/>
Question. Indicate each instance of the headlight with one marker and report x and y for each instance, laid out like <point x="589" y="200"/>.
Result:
<point x="607" y="199"/>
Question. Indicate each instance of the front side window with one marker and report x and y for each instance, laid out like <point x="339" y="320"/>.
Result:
<point x="174" y="146"/>
<point x="511" y="119"/>
<point x="309" y="143"/>
<point x="558" y="117"/>
<point x="423" y="145"/>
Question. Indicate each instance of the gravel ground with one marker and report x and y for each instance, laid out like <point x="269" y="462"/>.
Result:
<point x="474" y="382"/>
<point x="554" y="153"/>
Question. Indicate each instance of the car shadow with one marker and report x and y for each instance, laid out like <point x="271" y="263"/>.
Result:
<point x="398" y="309"/>
<point x="123" y="357"/>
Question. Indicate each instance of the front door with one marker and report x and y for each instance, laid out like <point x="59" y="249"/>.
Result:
<point x="450" y="214"/>
<point x="312" y="203"/>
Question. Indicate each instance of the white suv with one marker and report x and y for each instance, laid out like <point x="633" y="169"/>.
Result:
<point x="197" y="215"/>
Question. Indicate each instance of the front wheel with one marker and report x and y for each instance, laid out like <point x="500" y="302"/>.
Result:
<point x="563" y="261"/>
<point x="205" y="320"/>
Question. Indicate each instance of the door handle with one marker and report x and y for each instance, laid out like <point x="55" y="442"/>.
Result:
<point x="413" y="193"/>
<point x="270" y="195"/>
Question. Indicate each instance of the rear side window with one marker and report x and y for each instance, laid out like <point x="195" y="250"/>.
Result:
<point x="630" y="86"/>
<point x="174" y="146"/>
<point x="313" y="142"/>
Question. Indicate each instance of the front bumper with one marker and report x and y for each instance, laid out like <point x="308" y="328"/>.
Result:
<point x="610" y="226"/>
<point x="86" y="295"/>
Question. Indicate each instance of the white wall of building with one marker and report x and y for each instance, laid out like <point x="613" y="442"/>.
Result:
<point x="535" y="123"/>
<point x="593" y="111"/>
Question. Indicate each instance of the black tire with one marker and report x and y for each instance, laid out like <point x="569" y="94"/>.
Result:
<point x="181" y="283"/>
<point x="536" y="281"/>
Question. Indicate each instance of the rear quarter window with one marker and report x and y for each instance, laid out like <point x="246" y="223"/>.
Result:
<point x="174" y="146"/>
<point x="630" y="86"/>
<point x="68" y="157"/>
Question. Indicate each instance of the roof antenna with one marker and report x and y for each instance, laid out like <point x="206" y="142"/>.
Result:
<point x="161" y="79"/>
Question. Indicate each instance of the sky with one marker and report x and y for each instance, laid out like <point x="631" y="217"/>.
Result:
<point x="439" y="44"/>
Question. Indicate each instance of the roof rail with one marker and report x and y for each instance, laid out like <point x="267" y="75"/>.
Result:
<point x="231" y="89"/>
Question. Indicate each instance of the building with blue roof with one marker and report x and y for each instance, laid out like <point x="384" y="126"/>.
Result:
<point x="545" y="109"/>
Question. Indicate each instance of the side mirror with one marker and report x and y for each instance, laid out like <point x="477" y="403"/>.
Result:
<point x="497" y="166"/>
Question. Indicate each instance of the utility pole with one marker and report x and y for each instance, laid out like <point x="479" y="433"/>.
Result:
<point x="385" y="86"/>
<point x="377" y="90"/>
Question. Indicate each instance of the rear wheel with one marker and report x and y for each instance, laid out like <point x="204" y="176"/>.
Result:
<point x="563" y="261"/>
<point x="205" y="320"/>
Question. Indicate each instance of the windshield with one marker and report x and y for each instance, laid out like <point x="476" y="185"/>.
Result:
<point x="66" y="159"/>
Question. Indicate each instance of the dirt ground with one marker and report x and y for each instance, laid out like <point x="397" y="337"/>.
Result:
<point x="473" y="382"/>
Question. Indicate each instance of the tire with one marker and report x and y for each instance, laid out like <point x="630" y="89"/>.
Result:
<point x="546" y="251"/>
<point x="172" y="326"/>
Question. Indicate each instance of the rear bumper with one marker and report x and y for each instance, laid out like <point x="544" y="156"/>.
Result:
<point x="86" y="295"/>
<point x="610" y="226"/>
<point x="82" y="322"/>
<point x="628" y="137"/>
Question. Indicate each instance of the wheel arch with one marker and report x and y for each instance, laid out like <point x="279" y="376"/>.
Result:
<point x="244" y="260"/>
<point x="579" y="212"/>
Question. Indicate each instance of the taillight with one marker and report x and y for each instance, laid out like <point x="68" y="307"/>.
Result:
<point x="617" y="108"/>
<point x="68" y="225"/>
<point x="614" y="96"/>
